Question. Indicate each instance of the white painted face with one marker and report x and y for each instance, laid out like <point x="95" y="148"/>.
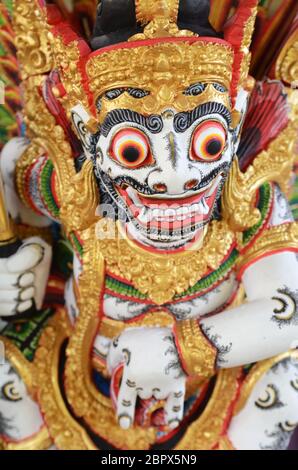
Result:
<point x="20" y="417"/>
<point x="165" y="171"/>
<point x="271" y="412"/>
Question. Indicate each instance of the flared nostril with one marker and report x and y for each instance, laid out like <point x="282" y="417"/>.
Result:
<point x="160" y="187"/>
<point x="191" y="184"/>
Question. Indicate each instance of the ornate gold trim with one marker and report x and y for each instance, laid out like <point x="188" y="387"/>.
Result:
<point x="198" y="355"/>
<point x="85" y="199"/>
<point x="274" y="164"/>
<point x="281" y="237"/>
<point x="286" y="67"/>
<point x="245" y="46"/>
<point x="28" y="158"/>
<point x="67" y="58"/>
<point x="159" y="18"/>
<point x="86" y="401"/>
<point x="255" y="375"/>
<point x="24" y="368"/>
<point x="165" y="96"/>
<point x="77" y="194"/>
<point x="206" y="432"/>
<point x="66" y="433"/>
<point x="147" y="11"/>
<point x="158" y="275"/>
<point x="165" y="69"/>
<point x="6" y="231"/>
<point x="33" y="39"/>
<point x="113" y="328"/>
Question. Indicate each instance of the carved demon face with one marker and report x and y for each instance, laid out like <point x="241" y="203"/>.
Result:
<point x="165" y="171"/>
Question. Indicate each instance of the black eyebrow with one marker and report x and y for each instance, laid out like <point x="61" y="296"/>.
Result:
<point x="182" y="121"/>
<point x="153" y="122"/>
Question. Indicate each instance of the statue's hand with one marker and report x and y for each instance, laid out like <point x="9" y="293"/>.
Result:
<point x="151" y="368"/>
<point x="23" y="277"/>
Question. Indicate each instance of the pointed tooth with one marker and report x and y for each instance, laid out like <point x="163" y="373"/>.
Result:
<point x="155" y="214"/>
<point x="143" y="216"/>
<point x="204" y="206"/>
<point x="170" y="213"/>
<point x="134" y="196"/>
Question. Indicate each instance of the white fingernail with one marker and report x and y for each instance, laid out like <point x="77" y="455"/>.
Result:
<point x="24" y="306"/>
<point x="174" y="423"/>
<point x="125" y="422"/>
<point x="26" y="279"/>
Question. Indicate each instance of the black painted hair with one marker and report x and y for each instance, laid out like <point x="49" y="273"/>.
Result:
<point x="116" y="21"/>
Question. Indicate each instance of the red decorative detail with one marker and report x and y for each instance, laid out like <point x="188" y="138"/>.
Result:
<point x="267" y="116"/>
<point x="152" y="42"/>
<point x="234" y="34"/>
<point x="57" y="110"/>
<point x="54" y="15"/>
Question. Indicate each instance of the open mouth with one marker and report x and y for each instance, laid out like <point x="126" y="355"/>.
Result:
<point x="165" y="219"/>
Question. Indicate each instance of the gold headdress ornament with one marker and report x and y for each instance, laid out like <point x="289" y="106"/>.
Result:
<point x="163" y="60"/>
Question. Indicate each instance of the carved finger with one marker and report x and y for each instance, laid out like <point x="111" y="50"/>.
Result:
<point x="9" y="281"/>
<point x="174" y="407"/>
<point x="9" y="296"/>
<point x="26" y="279"/>
<point x="27" y="293"/>
<point x="27" y="258"/>
<point x="24" y="306"/>
<point x="126" y="402"/>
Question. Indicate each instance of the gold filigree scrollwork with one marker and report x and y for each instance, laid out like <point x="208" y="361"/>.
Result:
<point x="66" y="433"/>
<point x="82" y="200"/>
<point x="160" y="276"/>
<point x="197" y="353"/>
<point x="6" y="230"/>
<point x="77" y="193"/>
<point x="113" y="328"/>
<point x="167" y="68"/>
<point x="23" y="367"/>
<point x="166" y="96"/>
<point x="274" y="164"/>
<point x="286" y="68"/>
<point x="159" y="18"/>
<point x="147" y="11"/>
<point x="86" y="401"/>
<point x="245" y="46"/>
<point x="66" y="59"/>
<point x="33" y="39"/>
<point x="238" y="203"/>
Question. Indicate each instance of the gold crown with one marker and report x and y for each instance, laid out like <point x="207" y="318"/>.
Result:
<point x="163" y="68"/>
<point x="162" y="60"/>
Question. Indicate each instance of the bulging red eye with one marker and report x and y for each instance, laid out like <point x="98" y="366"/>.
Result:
<point x="208" y="141"/>
<point x="130" y="148"/>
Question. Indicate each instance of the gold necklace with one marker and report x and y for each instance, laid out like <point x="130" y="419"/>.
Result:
<point x="162" y="276"/>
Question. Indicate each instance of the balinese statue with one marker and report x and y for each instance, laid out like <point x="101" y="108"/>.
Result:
<point x="149" y="270"/>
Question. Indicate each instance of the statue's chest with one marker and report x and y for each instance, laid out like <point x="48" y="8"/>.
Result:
<point x="123" y="302"/>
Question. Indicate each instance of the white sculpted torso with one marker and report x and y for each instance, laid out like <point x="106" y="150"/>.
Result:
<point x="195" y="307"/>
